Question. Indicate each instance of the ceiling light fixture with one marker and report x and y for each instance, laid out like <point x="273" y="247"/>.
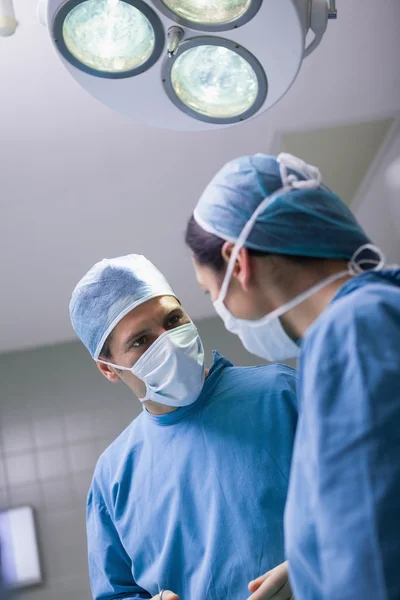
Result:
<point x="209" y="15"/>
<point x="109" y="38"/>
<point x="169" y="75"/>
<point x="214" y="80"/>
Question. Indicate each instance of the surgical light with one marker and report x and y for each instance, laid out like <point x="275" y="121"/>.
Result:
<point x="109" y="38"/>
<point x="175" y="69"/>
<point x="215" y="81"/>
<point x="209" y="15"/>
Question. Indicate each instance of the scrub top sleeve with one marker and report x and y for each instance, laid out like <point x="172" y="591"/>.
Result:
<point x="109" y="566"/>
<point x="351" y="407"/>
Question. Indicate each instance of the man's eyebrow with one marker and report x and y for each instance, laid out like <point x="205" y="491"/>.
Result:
<point x="133" y="337"/>
<point x="138" y="334"/>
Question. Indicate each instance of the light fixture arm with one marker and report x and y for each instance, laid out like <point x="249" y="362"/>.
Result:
<point x="175" y="36"/>
<point x="320" y="12"/>
<point x="332" y="12"/>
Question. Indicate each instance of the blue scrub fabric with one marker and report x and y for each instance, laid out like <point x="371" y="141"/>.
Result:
<point x="193" y="501"/>
<point x="342" y="522"/>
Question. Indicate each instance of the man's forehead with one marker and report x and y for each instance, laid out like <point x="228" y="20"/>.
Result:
<point x="150" y="310"/>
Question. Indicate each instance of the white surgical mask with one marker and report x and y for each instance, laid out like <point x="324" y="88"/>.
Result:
<point x="266" y="337"/>
<point x="172" y="368"/>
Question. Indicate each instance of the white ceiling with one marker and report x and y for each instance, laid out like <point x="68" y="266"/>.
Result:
<point x="79" y="182"/>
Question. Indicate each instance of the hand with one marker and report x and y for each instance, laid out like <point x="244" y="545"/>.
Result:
<point x="273" y="585"/>
<point x="166" y="595"/>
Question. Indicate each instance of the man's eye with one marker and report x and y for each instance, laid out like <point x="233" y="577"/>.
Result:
<point x="174" y="320"/>
<point x="139" y="342"/>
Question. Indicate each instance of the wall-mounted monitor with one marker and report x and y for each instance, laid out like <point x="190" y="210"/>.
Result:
<point x="20" y="565"/>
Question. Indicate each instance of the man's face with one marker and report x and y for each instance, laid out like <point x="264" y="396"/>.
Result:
<point x="136" y="332"/>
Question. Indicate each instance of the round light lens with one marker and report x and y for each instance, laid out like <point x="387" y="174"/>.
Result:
<point x="214" y="81"/>
<point x="111" y="36"/>
<point x="208" y="12"/>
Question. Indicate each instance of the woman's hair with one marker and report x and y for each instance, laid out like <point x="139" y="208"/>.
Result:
<point x="207" y="247"/>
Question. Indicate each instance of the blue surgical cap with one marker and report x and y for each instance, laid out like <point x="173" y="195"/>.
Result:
<point x="300" y="222"/>
<point x="108" y="292"/>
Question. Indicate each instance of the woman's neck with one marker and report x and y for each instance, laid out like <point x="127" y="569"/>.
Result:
<point x="282" y="279"/>
<point x="297" y="320"/>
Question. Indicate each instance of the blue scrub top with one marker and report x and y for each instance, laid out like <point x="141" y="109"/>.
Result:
<point x="193" y="501"/>
<point x="342" y="522"/>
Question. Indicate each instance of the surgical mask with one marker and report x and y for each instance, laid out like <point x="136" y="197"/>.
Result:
<point x="172" y="368"/>
<point x="266" y="337"/>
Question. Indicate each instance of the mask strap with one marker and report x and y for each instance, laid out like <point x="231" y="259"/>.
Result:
<point x="244" y="234"/>
<point x="374" y="261"/>
<point x="281" y="310"/>
<point x="312" y="178"/>
<point x="104" y="362"/>
<point x="291" y="181"/>
<point x="355" y="267"/>
<point x="119" y="368"/>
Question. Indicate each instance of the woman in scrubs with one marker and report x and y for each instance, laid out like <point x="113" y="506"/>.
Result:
<point x="292" y="273"/>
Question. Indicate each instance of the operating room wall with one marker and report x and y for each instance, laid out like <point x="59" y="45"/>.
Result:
<point x="377" y="206"/>
<point x="57" y="413"/>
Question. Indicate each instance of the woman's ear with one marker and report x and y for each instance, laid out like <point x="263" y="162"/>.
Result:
<point x="108" y="372"/>
<point x="242" y="268"/>
<point x="226" y="251"/>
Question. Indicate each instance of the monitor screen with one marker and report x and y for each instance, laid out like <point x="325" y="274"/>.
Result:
<point x="19" y="556"/>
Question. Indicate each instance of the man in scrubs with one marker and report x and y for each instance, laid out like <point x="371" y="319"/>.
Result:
<point x="188" y="501"/>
